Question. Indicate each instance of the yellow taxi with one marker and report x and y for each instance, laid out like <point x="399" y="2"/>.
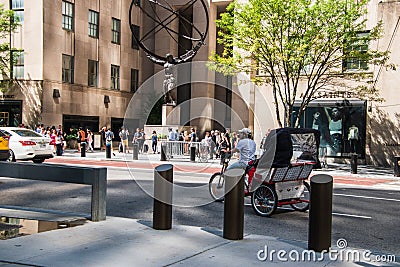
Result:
<point x="4" y="149"/>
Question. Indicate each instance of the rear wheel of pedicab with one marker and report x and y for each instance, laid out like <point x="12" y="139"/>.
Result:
<point x="304" y="200"/>
<point x="216" y="185"/>
<point x="264" y="200"/>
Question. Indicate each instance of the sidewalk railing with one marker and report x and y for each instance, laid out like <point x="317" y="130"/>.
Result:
<point x="181" y="149"/>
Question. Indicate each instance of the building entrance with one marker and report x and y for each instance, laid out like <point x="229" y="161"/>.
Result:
<point x="10" y="113"/>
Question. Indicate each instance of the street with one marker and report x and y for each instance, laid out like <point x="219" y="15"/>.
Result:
<point x="365" y="217"/>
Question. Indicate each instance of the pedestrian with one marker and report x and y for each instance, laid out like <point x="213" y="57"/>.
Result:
<point x="53" y="137"/>
<point x="142" y="140"/>
<point x="154" y="140"/>
<point x="103" y="136"/>
<point x="89" y="140"/>
<point x="59" y="143"/>
<point x="124" y="135"/>
<point x="81" y="138"/>
<point x="109" y="135"/>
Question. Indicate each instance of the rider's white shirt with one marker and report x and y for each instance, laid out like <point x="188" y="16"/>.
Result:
<point x="247" y="148"/>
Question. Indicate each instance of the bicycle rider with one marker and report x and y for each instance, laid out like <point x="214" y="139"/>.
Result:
<point x="247" y="149"/>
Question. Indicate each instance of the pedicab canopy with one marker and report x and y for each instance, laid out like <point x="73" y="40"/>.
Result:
<point x="286" y="146"/>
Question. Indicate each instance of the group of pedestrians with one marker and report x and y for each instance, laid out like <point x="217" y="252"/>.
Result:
<point x="57" y="136"/>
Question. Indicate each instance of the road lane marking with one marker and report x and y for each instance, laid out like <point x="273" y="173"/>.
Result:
<point x="367" y="197"/>
<point x="333" y="213"/>
<point x="351" y="215"/>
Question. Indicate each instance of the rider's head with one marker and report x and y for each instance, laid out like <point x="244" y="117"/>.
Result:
<point x="245" y="133"/>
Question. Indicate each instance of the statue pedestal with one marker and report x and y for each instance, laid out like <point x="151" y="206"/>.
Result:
<point x="170" y="115"/>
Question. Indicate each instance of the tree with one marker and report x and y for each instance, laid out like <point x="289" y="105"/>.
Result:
<point x="8" y="24"/>
<point x="299" y="47"/>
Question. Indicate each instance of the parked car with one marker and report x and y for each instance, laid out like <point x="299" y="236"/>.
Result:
<point x="26" y="144"/>
<point x="4" y="149"/>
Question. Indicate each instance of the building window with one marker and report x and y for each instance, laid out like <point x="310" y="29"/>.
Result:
<point x="18" y="64"/>
<point x="136" y="33"/>
<point x="93" y="70"/>
<point x="357" y="50"/>
<point x="18" y="7"/>
<point x="93" y="24"/>
<point x="114" y="77"/>
<point x="67" y="69"/>
<point x="134" y="80"/>
<point x="67" y="16"/>
<point x="116" y="31"/>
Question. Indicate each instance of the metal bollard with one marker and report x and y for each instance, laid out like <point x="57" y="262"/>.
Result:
<point x="234" y="204"/>
<point x="83" y="149"/>
<point x="397" y="166"/>
<point x="135" y="151"/>
<point x="163" y="152"/>
<point x="353" y="163"/>
<point x="192" y="153"/>
<point x="162" y="208"/>
<point x="320" y="216"/>
<point x="108" y="151"/>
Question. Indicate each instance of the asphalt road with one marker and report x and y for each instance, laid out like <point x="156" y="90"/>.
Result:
<point x="365" y="217"/>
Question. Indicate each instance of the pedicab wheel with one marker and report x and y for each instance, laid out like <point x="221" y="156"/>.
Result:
<point x="264" y="200"/>
<point x="216" y="186"/>
<point x="304" y="200"/>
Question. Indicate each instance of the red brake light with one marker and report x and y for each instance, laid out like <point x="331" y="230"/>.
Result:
<point x="27" y="143"/>
<point x="6" y="138"/>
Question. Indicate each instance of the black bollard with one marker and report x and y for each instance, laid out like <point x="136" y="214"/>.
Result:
<point x="135" y="151"/>
<point x="162" y="209"/>
<point x="320" y="216"/>
<point x="234" y="204"/>
<point x="192" y="153"/>
<point x="83" y="149"/>
<point x="108" y="151"/>
<point x="163" y="152"/>
<point x="353" y="162"/>
<point x="397" y="166"/>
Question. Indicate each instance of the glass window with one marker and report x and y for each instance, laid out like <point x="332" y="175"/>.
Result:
<point x="93" y="70"/>
<point x="134" y="80"/>
<point x="114" y="77"/>
<point x="67" y="69"/>
<point x="93" y="24"/>
<point x="136" y="2"/>
<point x="67" y="16"/>
<point x="116" y="31"/>
<point x="357" y="50"/>
<point x="18" y="64"/>
<point x="17" y="4"/>
<point x="18" y="7"/>
<point x="136" y="32"/>
<point x="342" y="125"/>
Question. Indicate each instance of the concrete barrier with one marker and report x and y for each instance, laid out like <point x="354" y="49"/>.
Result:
<point x="96" y="177"/>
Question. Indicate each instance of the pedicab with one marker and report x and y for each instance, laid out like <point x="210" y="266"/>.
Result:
<point x="279" y="176"/>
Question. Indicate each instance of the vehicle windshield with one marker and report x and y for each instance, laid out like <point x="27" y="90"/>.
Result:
<point x="26" y="133"/>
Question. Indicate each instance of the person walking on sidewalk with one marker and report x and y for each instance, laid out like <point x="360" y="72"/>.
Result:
<point x="154" y="140"/>
<point x="109" y="137"/>
<point x="89" y="140"/>
<point x="124" y="134"/>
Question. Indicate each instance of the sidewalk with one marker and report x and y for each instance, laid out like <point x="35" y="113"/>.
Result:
<point x="379" y="177"/>
<point x="128" y="242"/>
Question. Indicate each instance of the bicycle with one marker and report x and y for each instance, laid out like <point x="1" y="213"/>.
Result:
<point x="217" y="180"/>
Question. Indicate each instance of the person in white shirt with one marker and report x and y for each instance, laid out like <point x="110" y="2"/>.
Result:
<point x="247" y="149"/>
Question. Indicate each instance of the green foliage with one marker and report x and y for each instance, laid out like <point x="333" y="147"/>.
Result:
<point x="8" y="24"/>
<point x="288" y="42"/>
<point x="73" y="135"/>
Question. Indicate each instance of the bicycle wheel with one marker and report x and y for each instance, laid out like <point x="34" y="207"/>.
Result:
<point x="264" y="200"/>
<point x="304" y="200"/>
<point x="216" y="185"/>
